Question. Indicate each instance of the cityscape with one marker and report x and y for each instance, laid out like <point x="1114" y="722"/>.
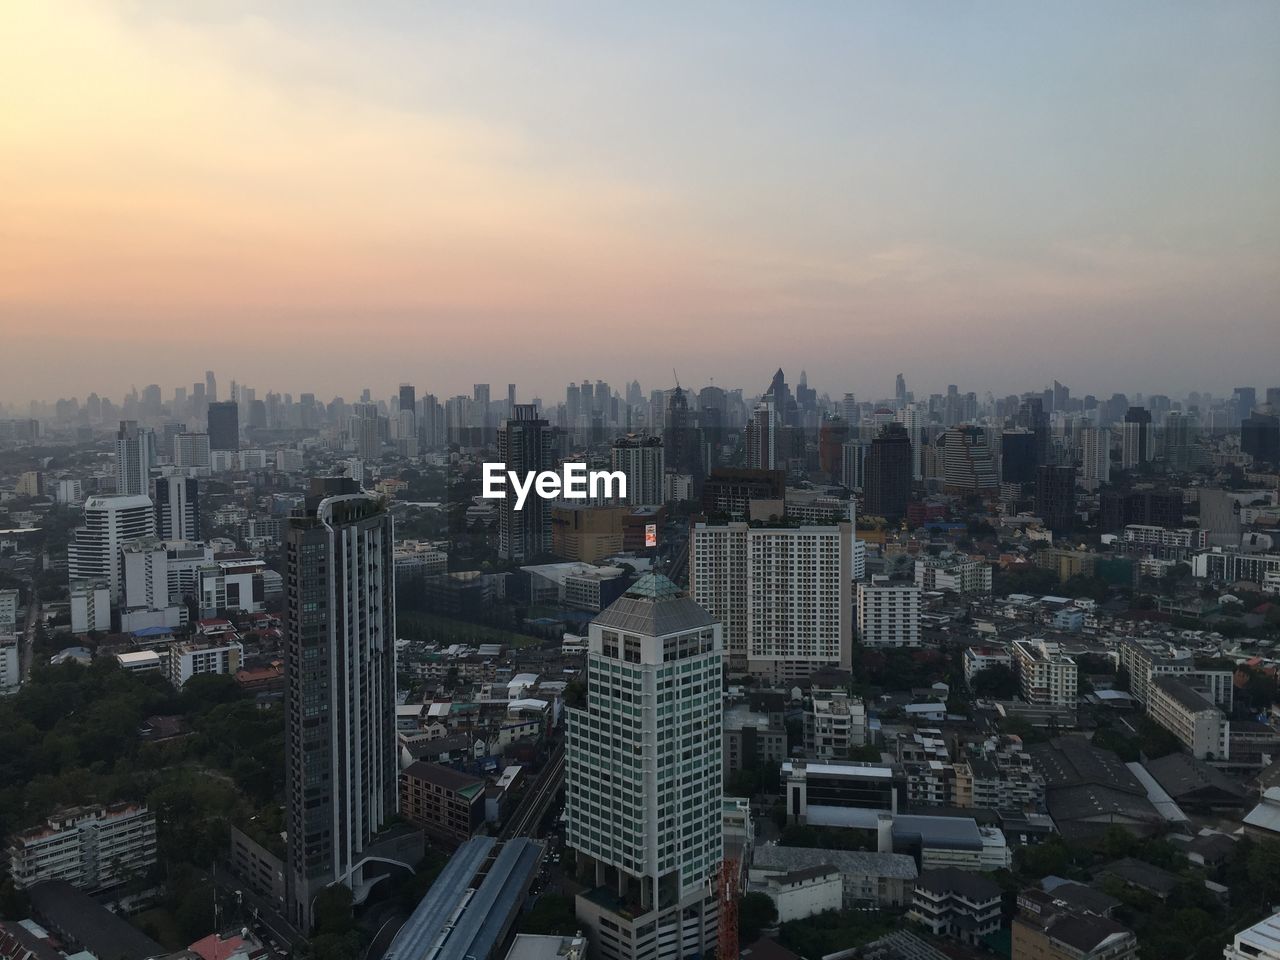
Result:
<point x="640" y="482"/>
<point x="925" y="675"/>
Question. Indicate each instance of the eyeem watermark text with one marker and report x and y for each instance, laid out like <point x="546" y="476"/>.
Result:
<point x="574" y="482"/>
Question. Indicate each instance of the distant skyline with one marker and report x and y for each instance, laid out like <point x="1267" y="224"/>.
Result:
<point x="316" y="196"/>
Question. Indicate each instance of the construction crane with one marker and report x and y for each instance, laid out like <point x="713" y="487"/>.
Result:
<point x="730" y="880"/>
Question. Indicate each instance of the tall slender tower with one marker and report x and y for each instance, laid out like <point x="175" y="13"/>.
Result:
<point x="643" y="776"/>
<point x="177" y="504"/>
<point x="340" y="670"/>
<point x="524" y="444"/>
<point x="135" y="456"/>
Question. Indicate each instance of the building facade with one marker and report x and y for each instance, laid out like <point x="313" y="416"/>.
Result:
<point x="643" y="777"/>
<point x="340" y="669"/>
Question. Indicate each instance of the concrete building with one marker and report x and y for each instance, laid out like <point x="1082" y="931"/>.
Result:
<point x="643" y="801"/>
<point x="1190" y="716"/>
<point x="954" y="572"/>
<point x="1046" y="675"/>
<point x="193" y="657"/>
<point x="90" y="606"/>
<point x="958" y="904"/>
<point x="1048" y="928"/>
<point x="109" y="524"/>
<point x="340" y="737"/>
<point x="177" y="503"/>
<point x="93" y="848"/>
<point x="888" y="613"/>
<point x="640" y="458"/>
<point x="977" y="659"/>
<point x="969" y="464"/>
<point x="586" y="533"/>
<point x="782" y="592"/>
<point x="751" y="739"/>
<point x="883" y="879"/>
<point x="833" y="724"/>
<point x="448" y="804"/>
<point x="847" y="793"/>
<point x="1258" y="942"/>
<point x="191" y="452"/>
<point x="10" y="665"/>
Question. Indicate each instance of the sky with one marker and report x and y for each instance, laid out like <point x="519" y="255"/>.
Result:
<point x="327" y="196"/>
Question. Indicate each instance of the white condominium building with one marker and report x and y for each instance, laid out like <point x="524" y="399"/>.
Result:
<point x="888" y="613"/>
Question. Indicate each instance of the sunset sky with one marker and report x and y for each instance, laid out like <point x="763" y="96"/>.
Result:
<point x="327" y="196"/>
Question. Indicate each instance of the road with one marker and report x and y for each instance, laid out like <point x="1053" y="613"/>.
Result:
<point x="534" y="805"/>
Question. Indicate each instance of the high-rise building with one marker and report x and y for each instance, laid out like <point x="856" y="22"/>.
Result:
<point x="640" y="459"/>
<point x="1095" y="456"/>
<point x="340" y="690"/>
<point x="1018" y="456"/>
<point x="224" y="426"/>
<point x="210" y="387"/>
<point x="914" y="417"/>
<point x="409" y="405"/>
<point x="968" y="465"/>
<point x="177" y="503"/>
<point x="135" y="456"/>
<point x="524" y="445"/>
<point x="365" y="429"/>
<point x="783" y="594"/>
<point x="680" y="441"/>
<point x="1056" y="497"/>
<point x="1135" y="449"/>
<point x="643" y="777"/>
<point x="109" y="523"/>
<point x="832" y="434"/>
<point x="764" y="436"/>
<point x="887" y="482"/>
<point x="1260" y="437"/>
<point x="191" y="451"/>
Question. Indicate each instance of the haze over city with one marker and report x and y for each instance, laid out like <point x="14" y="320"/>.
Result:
<point x="315" y="194"/>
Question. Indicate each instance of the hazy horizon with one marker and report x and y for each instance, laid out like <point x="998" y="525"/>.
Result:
<point x="990" y="195"/>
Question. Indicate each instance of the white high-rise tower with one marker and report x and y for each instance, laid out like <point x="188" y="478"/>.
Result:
<point x="643" y="777"/>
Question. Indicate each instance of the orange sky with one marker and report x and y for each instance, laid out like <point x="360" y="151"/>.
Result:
<point x="244" y="193"/>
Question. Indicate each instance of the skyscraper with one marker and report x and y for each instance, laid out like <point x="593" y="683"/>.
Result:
<point x="680" y="441"/>
<point x="1056" y="497"/>
<point x="1135" y="447"/>
<point x="887" y="480"/>
<point x="524" y="445"/>
<point x="177" y="504"/>
<point x="224" y="425"/>
<point x="1095" y="456"/>
<point x="340" y="691"/>
<point x="109" y="523"/>
<point x="641" y="459"/>
<point x="968" y="465"/>
<point x="1018" y="452"/>
<point x="764" y="436"/>
<point x="135" y="456"/>
<point x="643" y="777"/>
<point x="210" y="387"/>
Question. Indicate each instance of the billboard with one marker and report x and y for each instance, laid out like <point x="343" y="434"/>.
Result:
<point x="650" y="534"/>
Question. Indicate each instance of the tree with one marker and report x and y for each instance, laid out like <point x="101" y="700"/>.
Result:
<point x="755" y="912"/>
<point x="553" y="914"/>
<point x="995" y="682"/>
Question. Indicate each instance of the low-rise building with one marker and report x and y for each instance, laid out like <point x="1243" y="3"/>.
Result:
<point x="1258" y="942"/>
<point x="444" y="802"/>
<point x="1049" y="928"/>
<point x="869" y="878"/>
<point x="888" y="613"/>
<point x="833" y="723"/>
<point x="1191" y="717"/>
<point x="1046" y="675"/>
<point x="751" y="739"/>
<point x="954" y="572"/>
<point x="959" y="904"/>
<point x="203" y="656"/>
<point x="93" y="848"/>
